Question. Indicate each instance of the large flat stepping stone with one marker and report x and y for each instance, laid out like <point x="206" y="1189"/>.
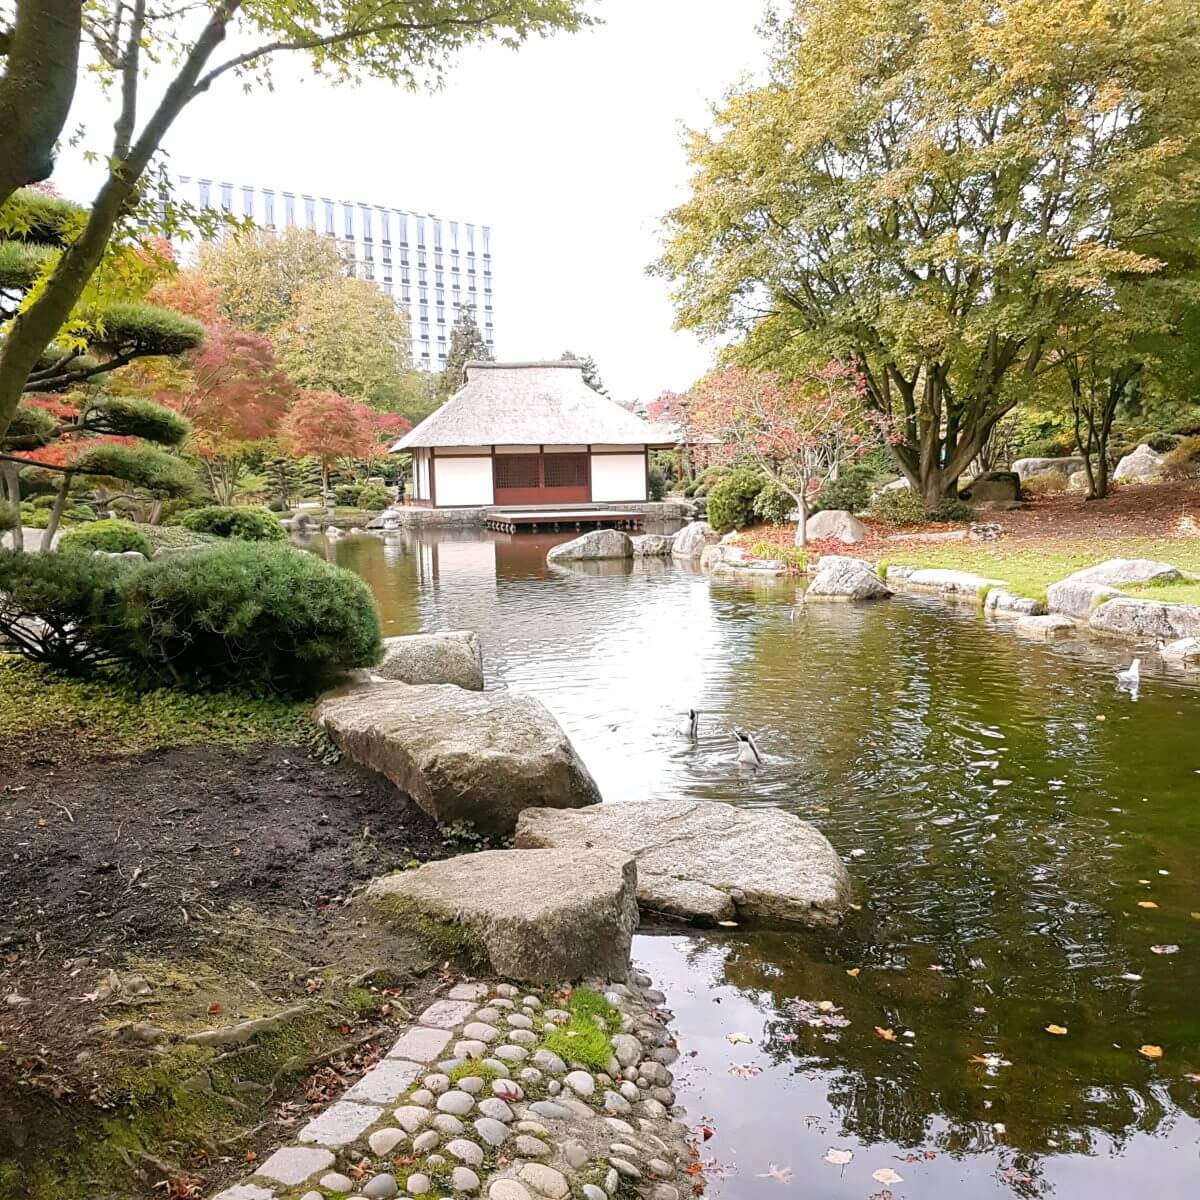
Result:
<point x="480" y="757"/>
<point x="707" y="861"/>
<point x="544" y="916"/>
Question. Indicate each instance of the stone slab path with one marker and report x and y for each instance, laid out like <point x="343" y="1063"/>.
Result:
<point x="483" y="1097"/>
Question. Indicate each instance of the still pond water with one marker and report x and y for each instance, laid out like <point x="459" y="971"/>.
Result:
<point x="1029" y="842"/>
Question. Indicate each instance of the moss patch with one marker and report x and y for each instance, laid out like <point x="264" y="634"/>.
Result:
<point x="111" y="711"/>
<point x="442" y="938"/>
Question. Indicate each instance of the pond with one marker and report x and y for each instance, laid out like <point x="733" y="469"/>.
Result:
<point x="1023" y="839"/>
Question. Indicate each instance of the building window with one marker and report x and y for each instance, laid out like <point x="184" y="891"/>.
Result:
<point x="205" y="193"/>
<point x="470" y="239"/>
<point x="330" y="228"/>
<point x="516" y="471"/>
<point x="248" y="202"/>
<point x="310" y="212"/>
<point x="368" y="270"/>
<point x="487" y="240"/>
<point x="269" y="208"/>
<point x="437" y="235"/>
<point x="387" y="254"/>
<point x="421" y="232"/>
<point x="425" y="317"/>
<point x="403" y="229"/>
<point x="386" y="226"/>
<point x="564" y="470"/>
<point x="366" y="223"/>
<point x="289" y="209"/>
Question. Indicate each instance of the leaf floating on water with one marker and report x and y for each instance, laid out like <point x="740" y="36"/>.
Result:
<point x="728" y="924"/>
<point x="1150" y="1051"/>
<point x="1168" y="948"/>
<point x="991" y="1061"/>
<point x="739" y="1039"/>
<point x="780" y="1174"/>
<point x="888" y="1035"/>
<point x="1056" y="1029"/>
<point x="853" y="972"/>
<point x="839" y="1158"/>
<point x="1147" y="904"/>
<point x="857" y="853"/>
<point x="820" y="1014"/>
<point x="744" y="1070"/>
<point x="886" y="1175"/>
<point x="1131" y="977"/>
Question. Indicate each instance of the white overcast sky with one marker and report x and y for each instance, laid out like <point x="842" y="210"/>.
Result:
<point x="570" y="148"/>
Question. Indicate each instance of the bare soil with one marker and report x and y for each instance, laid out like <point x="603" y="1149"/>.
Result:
<point x="217" y="876"/>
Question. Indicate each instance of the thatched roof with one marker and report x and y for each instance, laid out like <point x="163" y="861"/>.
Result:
<point x="529" y="404"/>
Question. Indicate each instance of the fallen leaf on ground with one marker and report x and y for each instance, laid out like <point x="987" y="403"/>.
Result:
<point x="853" y="972"/>
<point x="886" y="1175"/>
<point x="214" y="1008"/>
<point x="839" y="1158"/>
<point x="1147" y="904"/>
<point x="1168" y="948"/>
<point x="888" y="1035"/>
<point x="739" y="1039"/>
<point x="1150" y="1051"/>
<point x="782" y="1174"/>
<point x="1056" y="1029"/>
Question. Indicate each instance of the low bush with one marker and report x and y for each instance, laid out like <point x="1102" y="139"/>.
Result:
<point x="1183" y="461"/>
<point x="1044" y="483"/>
<point x="60" y="609"/>
<point x="239" y="613"/>
<point x="851" y="491"/>
<point x="10" y="516"/>
<point x="246" y="524"/>
<point x="113" y="536"/>
<point x="731" y="500"/>
<point x="794" y="556"/>
<point x="951" y="511"/>
<point x="373" y="498"/>
<point x="899" y="507"/>
<point x="656" y="483"/>
<point x="773" y="504"/>
<point x="345" y="495"/>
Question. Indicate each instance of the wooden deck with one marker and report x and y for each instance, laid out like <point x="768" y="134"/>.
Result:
<point x="530" y="520"/>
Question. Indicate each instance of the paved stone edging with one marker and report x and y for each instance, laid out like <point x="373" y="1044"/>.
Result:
<point x="467" y="1102"/>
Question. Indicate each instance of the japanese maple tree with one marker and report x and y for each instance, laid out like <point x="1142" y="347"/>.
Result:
<point x="327" y="427"/>
<point x="237" y="396"/>
<point x="799" y="432"/>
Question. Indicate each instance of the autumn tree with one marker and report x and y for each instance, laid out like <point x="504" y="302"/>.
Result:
<point x="343" y="39"/>
<point x="236" y="396"/>
<point x="928" y="190"/>
<point x="591" y="372"/>
<point x="346" y="336"/>
<point x="466" y="345"/>
<point x="798" y="432"/>
<point x="258" y="273"/>
<point x="328" y="427"/>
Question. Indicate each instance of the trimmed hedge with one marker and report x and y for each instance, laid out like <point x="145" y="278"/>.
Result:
<point x="773" y="504"/>
<point x="59" y="609"/>
<point x="731" y="500"/>
<point x="900" y="506"/>
<point x="241" y="612"/>
<point x="243" y="523"/>
<point x="373" y="498"/>
<point x="112" y="535"/>
<point x="850" y="492"/>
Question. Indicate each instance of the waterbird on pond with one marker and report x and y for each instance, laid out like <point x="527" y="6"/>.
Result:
<point x="1131" y="676"/>
<point x="747" y="754"/>
<point x="692" y="728"/>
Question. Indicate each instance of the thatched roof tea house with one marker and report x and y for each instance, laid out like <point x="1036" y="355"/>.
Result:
<point x="529" y="434"/>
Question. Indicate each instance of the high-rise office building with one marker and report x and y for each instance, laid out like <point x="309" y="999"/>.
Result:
<point x="430" y="266"/>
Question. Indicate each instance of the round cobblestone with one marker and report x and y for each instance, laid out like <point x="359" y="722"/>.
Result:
<point x="508" y="1189"/>
<point x="581" y="1083"/>
<point x="520" y="1021"/>
<point x="468" y="1048"/>
<point x="465" y="1152"/>
<point x="624" y="1167"/>
<point x="463" y="1179"/>
<point x="510" y="1053"/>
<point x="496" y="1108"/>
<point x="494" y="1132"/>
<point x="437" y="1083"/>
<point x="522" y="1037"/>
<point x="575" y="1153"/>
<point x="456" y="1103"/>
<point x="423" y="1096"/>
<point x="471" y="1084"/>
<point x="384" y="1141"/>
<point x="448" y="1124"/>
<point x="418" y="1184"/>
<point x="480" y="1031"/>
<point x="424" y="1142"/>
<point x="528" y="1146"/>
<point x="382" y="1187"/>
<point x="545" y="1180"/>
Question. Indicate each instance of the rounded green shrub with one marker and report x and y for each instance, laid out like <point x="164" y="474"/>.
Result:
<point x="773" y="504"/>
<point x="899" y="506"/>
<point x="245" y="523"/>
<point x="731" y="500"/>
<point x="60" y="608"/>
<point x="345" y="495"/>
<point x="849" y="492"/>
<point x="656" y="483"/>
<point x="242" y="613"/>
<point x="112" y="535"/>
<point x="373" y="498"/>
<point x="951" y="510"/>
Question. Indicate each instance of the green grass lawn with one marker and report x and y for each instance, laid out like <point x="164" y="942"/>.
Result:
<point x="1027" y="571"/>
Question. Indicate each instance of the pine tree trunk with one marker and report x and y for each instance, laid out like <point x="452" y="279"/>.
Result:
<point x="60" y="503"/>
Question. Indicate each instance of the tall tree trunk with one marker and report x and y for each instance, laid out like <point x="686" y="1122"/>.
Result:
<point x="36" y="89"/>
<point x="156" y="511"/>
<point x="11" y="479"/>
<point x="60" y="502"/>
<point x="33" y="329"/>
<point x="802" y="523"/>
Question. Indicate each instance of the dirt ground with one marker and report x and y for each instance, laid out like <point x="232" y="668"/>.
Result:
<point x="213" y="878"/>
